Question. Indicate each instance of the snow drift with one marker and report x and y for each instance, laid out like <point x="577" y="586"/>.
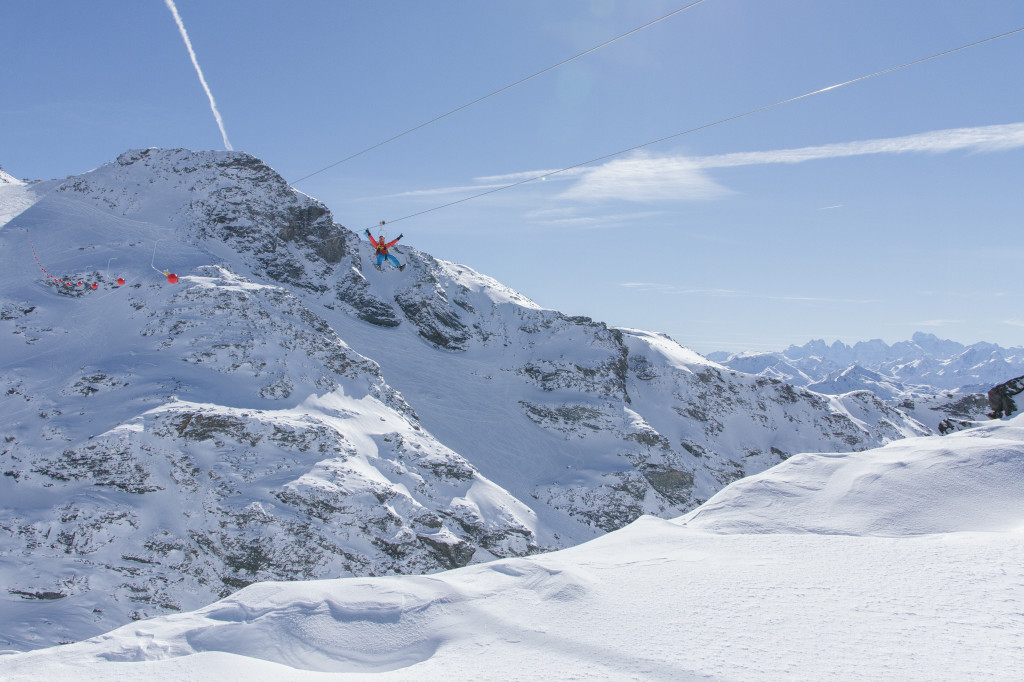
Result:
<point x="287" y="412"/>
<point x="727" y="592"/>
<point x="972" y="480"/>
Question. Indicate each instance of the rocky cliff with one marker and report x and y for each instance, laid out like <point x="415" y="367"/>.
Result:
<point x="286" y="411"/>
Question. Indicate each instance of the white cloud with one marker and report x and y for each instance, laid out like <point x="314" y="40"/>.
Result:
<point x="658" y="288"/>
<point x="550" y="174"/>
<point x="441" y="191"/>
<point x="939" y="323"/>
<point x="984" y="139"/>
<point x="671" y="289"/>
<point x="643" y="177"/>
<point x="571" y="217"/>
<point x="646" y="178"/>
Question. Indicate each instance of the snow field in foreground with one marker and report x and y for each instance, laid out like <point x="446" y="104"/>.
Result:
<point x="967" y="481"/>
<point x="662" y="599"/>
<point x="654" y="601"/>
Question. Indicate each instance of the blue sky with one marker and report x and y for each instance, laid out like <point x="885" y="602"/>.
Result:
<point x="875" y="210"/>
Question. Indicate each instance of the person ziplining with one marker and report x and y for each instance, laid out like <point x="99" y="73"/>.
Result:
<point x="382" y="245"/>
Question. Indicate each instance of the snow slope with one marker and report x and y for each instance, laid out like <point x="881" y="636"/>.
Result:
<point x="165" y="445"/>
<point x="15" y="197"/>
<point x="967" y="481"/>
<point x="285" y="411"/>
<point x="905" y="562"/>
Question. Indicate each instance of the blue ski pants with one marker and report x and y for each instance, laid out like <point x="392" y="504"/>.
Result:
<point x="381" y="257"/>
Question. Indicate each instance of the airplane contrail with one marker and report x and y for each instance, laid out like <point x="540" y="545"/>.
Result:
<point x="192" y="53"/>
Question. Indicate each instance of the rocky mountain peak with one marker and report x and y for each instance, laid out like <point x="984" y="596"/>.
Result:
<point x="286" y="410"/>
<point x="1001" y="398"/>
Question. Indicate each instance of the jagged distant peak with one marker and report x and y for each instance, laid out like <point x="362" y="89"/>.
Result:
<point x="858" y="371"/>
<point x="932" y="344"/>
<point x="924" y="363"/>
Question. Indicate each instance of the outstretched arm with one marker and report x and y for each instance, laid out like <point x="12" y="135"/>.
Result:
<point x="372" y="240"/>
<point x="395" y="240"/>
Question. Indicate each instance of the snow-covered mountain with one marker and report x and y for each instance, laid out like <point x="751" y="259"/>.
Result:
<point x="284" y="411"/>
<point x="924" y="365"/>
<point x="903" y="562"/>
<point x="15" y="196"/>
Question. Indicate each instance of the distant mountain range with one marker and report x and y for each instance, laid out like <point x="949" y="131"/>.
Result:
<point x="924" y="365"/>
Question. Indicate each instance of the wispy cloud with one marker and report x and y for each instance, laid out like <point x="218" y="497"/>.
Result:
<point x="550" y="174"/>
<point x="939" y="323"/>
<point x="658" y="288"/>
<point x="649" y="178"/>
<point x="983" y="139"/>
<point x="570" y="217"/>
<point x="644" y="177"/>
<point x="674" y="290"/>
<point x="442" y="191"/>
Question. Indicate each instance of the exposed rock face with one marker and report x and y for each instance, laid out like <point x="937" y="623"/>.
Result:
<point x="426" y="305"/>
<point x="286" y="411"/>
<point x="1000" y="398"/>
<point x="130" y="503"/>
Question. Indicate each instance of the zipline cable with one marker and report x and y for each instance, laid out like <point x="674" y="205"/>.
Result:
<point x="711" y="125"/>
<point x="497" y="92"/>
<point x="171" y="277"/>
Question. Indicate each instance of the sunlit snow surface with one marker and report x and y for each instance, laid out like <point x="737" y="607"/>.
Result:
<point x="904" y="562"/>
<point x="15" y="197"/>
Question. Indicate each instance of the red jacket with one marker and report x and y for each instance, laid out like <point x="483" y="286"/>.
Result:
<point x="381" y="247"/>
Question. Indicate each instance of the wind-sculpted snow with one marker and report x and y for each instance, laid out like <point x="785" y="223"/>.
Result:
<point x="286" y="411"/>
<point x="968" y="481"/>
<point x="902" y="562"/>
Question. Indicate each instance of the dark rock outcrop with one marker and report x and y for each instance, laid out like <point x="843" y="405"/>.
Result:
<point x="1000" y="398"/>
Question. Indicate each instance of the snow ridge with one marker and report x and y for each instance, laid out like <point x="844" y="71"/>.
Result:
<point x="287" y="412"/>
<point x="902" y="562"/>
